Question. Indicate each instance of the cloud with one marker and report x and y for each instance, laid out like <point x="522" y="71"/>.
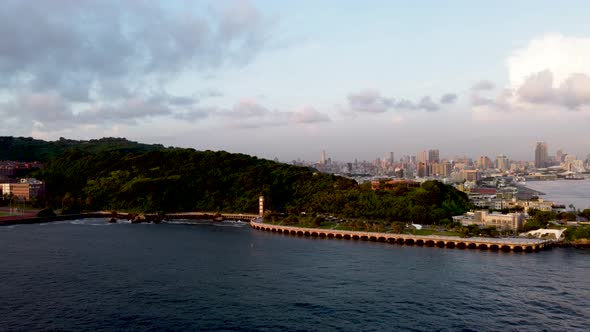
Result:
<point x="574" y="92"/>
<point x="483" y="86"/>
<point x="559" y="54"/>
<point x="128" y="112"/>
<point x="211" y="93"/>
<point x="251" y="114"/>
<point x="368" y="101"/>
<point x="103" y="61"/>
<point x="539" y="89"/>
<point x="549" y="73"/>
<point x="371" y="101"/>
<point x="79" y="47"/>
<point x="43" y="107"/>
<point x="195" y="114"/>
<point x="449" y="98"/>
<point x="308" y="115"/>
<point x="247" y="109"/>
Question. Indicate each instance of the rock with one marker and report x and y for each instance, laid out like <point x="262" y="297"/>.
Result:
<point x="112" y="221"/>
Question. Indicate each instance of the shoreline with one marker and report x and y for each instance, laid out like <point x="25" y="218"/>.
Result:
<point x="133" y="217"/>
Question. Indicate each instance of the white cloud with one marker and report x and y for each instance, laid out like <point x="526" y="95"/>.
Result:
<point x="561" y="55"/>
<point x="308" y="115"/>
<point x="550" y="73"/>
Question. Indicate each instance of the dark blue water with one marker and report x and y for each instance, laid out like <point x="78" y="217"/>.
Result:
<point x="94" y="276"/>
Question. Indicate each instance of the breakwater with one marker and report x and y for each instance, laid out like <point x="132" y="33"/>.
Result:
<point x="495" y="244"/>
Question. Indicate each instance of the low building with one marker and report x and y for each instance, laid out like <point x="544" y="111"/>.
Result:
<point x="26" y="190"/>
<point x="483" y="219"/>
<point x="539" y="204"/>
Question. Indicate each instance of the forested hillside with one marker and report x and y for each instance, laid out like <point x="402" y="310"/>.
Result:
<point x="30" y="149"/>
<point x="188" y="180"/>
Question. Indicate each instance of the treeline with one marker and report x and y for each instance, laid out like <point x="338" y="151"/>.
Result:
<point x="187" y="180"/>
<point x="30" y="149"/>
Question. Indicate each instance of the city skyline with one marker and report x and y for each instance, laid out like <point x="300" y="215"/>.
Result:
<point x="537" y="157"/>
<point x="287" y="80"/>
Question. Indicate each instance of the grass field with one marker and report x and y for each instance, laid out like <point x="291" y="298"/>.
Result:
<point x="434" y="232"/>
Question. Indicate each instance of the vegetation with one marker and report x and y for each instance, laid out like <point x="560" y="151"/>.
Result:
<point x="167" y="180"/>
<point x="46" y="213"/>
<point x="29" y="149"/>
<point x="575" y="233"/>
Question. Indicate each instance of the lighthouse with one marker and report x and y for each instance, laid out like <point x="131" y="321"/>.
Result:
<point x="261" y="206"/>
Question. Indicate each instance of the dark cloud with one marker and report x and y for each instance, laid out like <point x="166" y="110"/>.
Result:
<point x="129" y="112"/>
<point x="76" y="47"/>
<point x="105" y="58"/>
<point x="449" y="98"/>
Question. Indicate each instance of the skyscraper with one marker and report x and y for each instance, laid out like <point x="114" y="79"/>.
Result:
<point x="541" y="155"/>
<point x="502" y="162"/>
<point x="484" y="162"/>
<point x="323" y="159"/>
<point x="421" y="157"/>
<point x="391" y="160"/>
<point x="433" y="156"/>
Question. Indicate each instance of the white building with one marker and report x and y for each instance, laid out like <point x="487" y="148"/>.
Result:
<point x="483" y="219"/>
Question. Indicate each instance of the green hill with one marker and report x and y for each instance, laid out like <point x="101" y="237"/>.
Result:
<point x="188" y="180"/>
<point x="30" y="149"/>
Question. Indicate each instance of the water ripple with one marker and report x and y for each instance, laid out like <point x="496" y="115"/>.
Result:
<point x="72" y="276"/>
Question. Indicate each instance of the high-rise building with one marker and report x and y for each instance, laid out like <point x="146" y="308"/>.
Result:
<point x="391" y="160"/>
<point x="446" y="168"/>
<point x="541" y="155"/>
<point x="559" y="155"/>
<point x="502" y="162"/>
<point x="323" y="159"/>
<point x="421" y="157"/>
<point x="484" y="162"/>
<point x="433" y="156"/>
<point x="422" y="169"/>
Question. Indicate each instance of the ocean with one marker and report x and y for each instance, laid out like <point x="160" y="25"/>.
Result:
<point x="88" y="275"/>
<point x="566" y="192"/>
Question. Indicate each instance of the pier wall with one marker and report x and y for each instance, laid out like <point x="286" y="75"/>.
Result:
<point x="497" y="244"/>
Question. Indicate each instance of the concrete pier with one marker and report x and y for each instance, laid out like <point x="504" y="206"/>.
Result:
<point x="495" y="244"/>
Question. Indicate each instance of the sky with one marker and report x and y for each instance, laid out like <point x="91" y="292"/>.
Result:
<point x="288" y="79"/>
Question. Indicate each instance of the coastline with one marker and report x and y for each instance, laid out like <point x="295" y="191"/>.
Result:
<point x="578" y="244"/>
<point x="133" y="217"/>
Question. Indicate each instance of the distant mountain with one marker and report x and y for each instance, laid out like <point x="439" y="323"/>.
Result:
<point x="30" y="149"/>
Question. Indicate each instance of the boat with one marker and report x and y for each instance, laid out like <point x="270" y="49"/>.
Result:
<point x="574" y="177"/>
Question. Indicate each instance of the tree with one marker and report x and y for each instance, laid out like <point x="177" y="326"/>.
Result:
<point x="585" y="213"/>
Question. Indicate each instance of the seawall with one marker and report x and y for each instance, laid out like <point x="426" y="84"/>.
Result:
<point x="494" y="244"/>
